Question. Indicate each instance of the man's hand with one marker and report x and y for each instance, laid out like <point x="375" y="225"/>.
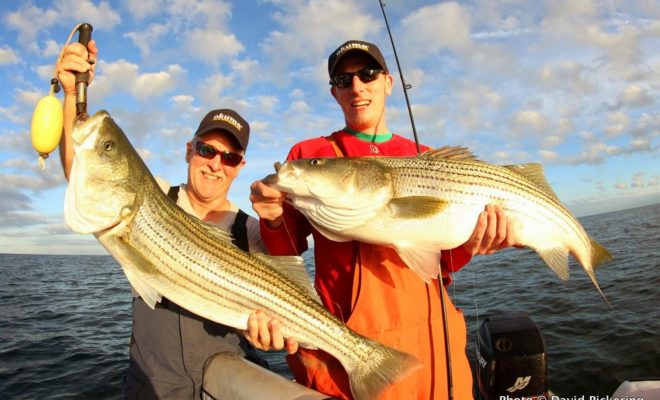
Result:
<point x="76" y="58"/>
<point x="267" y="203"/>
<point x="265" y="333"/>
<point x="494" y="231"/>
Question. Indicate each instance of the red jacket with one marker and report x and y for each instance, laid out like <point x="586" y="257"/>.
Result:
<point x="393" y="309"/>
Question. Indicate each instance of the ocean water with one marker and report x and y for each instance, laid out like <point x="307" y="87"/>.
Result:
<point x="65" y="320"/>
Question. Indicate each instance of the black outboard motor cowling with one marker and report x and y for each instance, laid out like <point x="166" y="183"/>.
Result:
<point x="511" y="357"/>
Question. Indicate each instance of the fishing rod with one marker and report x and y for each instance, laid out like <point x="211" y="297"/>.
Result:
<point x="406" y="86"/>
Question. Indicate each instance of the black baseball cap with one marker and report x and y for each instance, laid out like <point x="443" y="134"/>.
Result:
<point x="226" y="120"/>
<point x="353" y="46"/>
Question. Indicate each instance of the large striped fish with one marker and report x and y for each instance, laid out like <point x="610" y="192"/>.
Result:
<point x="421" y="205"/>
<point x="166" y="252"/>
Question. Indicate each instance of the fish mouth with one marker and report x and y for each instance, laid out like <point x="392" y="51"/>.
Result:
<point x="285" y="179"/>
<point x="273" y="179"/>
<point x="83" y="128"/>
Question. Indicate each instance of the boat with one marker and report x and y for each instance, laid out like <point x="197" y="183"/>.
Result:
<point x="230" y="376"/>
<point x="645" y="388"/>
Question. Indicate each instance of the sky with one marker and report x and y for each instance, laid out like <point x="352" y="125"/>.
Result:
<point x="571" y="84"/>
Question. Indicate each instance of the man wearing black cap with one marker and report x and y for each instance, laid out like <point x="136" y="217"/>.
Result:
<point x="368" y="286"/>
<point x="170" y="345"/>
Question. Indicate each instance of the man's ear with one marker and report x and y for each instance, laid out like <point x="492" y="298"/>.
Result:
<point x="188" y="151"/>
<point x="333" y="92"/>
<point x="389" y="81"/>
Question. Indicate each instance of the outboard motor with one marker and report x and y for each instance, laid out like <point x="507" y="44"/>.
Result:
<point x="511" y="357"/>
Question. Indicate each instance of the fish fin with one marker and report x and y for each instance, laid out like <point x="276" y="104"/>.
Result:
<point x="557" y="259"/>
<point x="384" y="367"/>
<point x="450" y="153"/>
<point x="148" y="294"/>
<point x="599" y="255"/>
<point x="337" y="218"/>
<point x="293" y="267"/>
<point x="426" y="264"/>
<point x="131" y="264"/>
<point x="534" y="172"/>
<point x="329" y="234"/>
<point x="142" y="268"/>
<point x="416" y="207"/>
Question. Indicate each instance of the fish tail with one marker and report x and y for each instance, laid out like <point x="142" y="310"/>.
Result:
<point x="385" y="366"/>
<point x="599" y="255"/>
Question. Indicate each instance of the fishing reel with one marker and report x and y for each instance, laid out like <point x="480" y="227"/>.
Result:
<point x="48" y="115"/>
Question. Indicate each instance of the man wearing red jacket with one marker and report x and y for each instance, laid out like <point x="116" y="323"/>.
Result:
<point x="368" y="286"/>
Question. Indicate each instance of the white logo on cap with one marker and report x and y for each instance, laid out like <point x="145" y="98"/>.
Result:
<point x="352" y="46"/>
<point x="229" y="120"/>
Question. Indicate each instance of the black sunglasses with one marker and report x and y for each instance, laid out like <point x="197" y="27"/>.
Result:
<point x="345" y="79"/>
<point x="207" y="151"/>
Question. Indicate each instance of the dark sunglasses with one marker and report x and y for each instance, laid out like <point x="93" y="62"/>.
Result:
<point x="345" y="79"/>
<point x="207" y="151"/>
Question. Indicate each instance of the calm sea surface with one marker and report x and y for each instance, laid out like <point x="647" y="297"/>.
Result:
<point x="65" y="320"/>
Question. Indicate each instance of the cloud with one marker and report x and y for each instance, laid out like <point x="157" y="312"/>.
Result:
<point x="547" y="155"/>
<point x="310" y="29"/>
<point x="214" y="86"/>
<point x="444" y="25"/>
<point x="52" y="49"/>
<point x="100" y="16"/>
<point x="13" y="199"/>
<point x="213" y="46"/>
<point x="593" y="153"/>
<point x="618" y="122"/>
<point x="9" y="114"/>
<point x="447" y="26"/>
<point x="569" y="76"/>
<point x="551" y="141"/>
<point x="8" y="56"/>
<point x="23" y="21"/>
<point x="637" y="180"/>
<point x="612" y="35"/>
<point x="473" y="104"/>
<point x="30" y="21"/>
<point x="634" y="96"/>
<point x="122" y="75"/>
<point x="147" y="38"/>
<point x="143" y="9"/>
<point x="654" y="180"/>
<point x="265" y="104"/>
<point x="198" y="28"/>
<point x="156" y="83"/>
<point x="526" y="123"/>
<point x="183" y="104"/>
<point x="648" y="125"/>
<point x="30" y="97"/>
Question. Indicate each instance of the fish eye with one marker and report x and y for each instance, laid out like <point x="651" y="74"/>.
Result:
<point x="315" y="161"/>
<point x="108" y="145"/>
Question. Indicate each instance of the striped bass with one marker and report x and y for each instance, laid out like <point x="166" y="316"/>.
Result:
<point x="166" y="252"/>
<point x="421" y="205"/>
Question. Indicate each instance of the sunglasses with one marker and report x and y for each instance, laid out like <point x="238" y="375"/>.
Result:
<point x="345" y="79"/>
<point x="207" y="151"/>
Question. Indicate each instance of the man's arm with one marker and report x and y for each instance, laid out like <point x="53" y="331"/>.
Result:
<point x="74" y="60"/>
